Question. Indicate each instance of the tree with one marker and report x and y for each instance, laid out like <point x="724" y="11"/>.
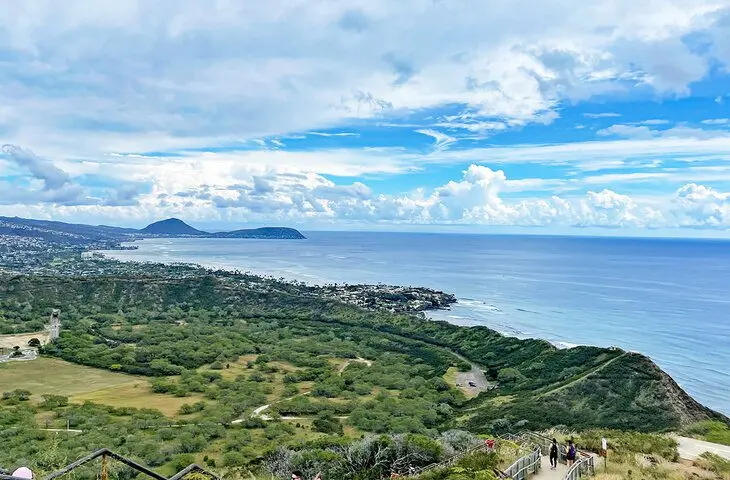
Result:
<point x="34" y="342"/>
<point x="54" y="401"/>
<point x="327" y="423"/>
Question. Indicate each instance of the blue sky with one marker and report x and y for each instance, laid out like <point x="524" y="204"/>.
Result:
<point x="559" y="117"/>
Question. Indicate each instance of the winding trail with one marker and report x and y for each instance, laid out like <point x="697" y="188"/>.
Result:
<point x="347" y="363"/>
<point x="582" y="377"/>
<point x="691" y="448"/>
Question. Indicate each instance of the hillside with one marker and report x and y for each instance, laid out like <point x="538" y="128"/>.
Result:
<point x="263" y="233"/>
<point x="218" y="347"/>
<point x="581" y="387"/>
<point x="41" y="240"/>
<point x="171" y="226"/>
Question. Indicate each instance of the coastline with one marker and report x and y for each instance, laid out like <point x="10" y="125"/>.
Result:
<point x="436" y="313"/>
<point x="504" y="309"/>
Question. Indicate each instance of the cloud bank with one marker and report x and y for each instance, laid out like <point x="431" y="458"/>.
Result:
<point x="362" y="111"/>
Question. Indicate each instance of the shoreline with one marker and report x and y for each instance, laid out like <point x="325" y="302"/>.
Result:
<point x="429" y="313"/>
<point x="511" y="322"/>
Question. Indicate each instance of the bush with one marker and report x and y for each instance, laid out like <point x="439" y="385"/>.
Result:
<point x="712" y="431"/>
<point x="714" y="463"/>
<point x="181" y="461"/>
<point x="629" y="443"/>
<point x="17" y="395"/>
<point x="54" y="401"/>
<point x="327" y="423"/>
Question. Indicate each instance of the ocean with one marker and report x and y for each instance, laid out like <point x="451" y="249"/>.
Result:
<point x="666" y="298"/>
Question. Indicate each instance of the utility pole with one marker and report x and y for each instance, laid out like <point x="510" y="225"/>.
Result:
<point x="604" y="447"/>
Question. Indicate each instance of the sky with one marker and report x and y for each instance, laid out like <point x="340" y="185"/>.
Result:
<point x="607" y="117"/>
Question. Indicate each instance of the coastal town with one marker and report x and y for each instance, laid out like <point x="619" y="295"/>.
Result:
<point x="53" y="249"/>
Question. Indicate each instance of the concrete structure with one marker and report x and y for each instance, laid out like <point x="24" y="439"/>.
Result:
<point x="55" y="326"/>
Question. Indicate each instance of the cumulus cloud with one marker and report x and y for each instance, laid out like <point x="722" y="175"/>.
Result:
<point x="53" y="177"/>
<point x="481" y="196"/>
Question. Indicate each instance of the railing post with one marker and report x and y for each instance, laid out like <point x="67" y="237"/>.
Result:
<point x="104" y="475"/>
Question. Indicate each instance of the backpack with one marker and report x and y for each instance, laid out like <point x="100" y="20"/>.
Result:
<point x="554" y="450"/>
<point x="571" y="452"/>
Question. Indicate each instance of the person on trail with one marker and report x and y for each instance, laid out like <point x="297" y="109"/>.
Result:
<point x="571" y="453"/>
<point x="23" y="472"/>
<point x="554" y="455"/>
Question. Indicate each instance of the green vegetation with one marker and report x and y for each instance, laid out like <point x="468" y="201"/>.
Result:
<point x="624" y="444"/>
<point x="711" y="431"/>
<point x="239" y="372"/>
<point x="714" y="463"/>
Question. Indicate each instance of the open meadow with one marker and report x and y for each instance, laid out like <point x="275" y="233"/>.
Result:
<point x="80" y="383"/>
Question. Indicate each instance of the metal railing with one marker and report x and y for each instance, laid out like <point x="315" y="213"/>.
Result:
<point x="585" y="466"/>
<point x="526" y="465"/>
<point x="105" y="454"/>
<point x="448" y="462"/>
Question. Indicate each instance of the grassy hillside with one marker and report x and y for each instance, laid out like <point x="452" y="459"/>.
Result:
<point x="214" y="348"/>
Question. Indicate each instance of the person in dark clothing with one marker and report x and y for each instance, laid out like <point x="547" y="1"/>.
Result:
<point x="554" y="455"/>
<point x="571" y="453"/>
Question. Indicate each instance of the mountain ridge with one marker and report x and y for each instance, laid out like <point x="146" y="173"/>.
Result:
<point x="85" y="234"/>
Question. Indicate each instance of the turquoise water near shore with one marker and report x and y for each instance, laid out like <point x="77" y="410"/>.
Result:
<point x="666" y="298"/>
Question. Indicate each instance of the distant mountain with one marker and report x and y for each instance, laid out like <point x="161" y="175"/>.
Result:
<point x="176" y="227"/>
<point x="264" y="232"/>
<point x="103" y="236"/>
<point x="171" y="226"/>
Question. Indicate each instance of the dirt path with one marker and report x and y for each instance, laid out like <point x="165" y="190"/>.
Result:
<point x="582" y="377"/>
<point x="347" y="363"/>
<point x="691" y="448"/>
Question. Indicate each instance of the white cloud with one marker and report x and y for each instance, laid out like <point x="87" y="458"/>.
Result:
<point x="655" y="121"/>
<point x="716" y="121"/>
<point x="479" y="197"/>
<point x="336" y="134"/>
<point x="601" y="115"/>
<point x="155" y="75"/>
<point x="442" y="140"/>
<point x="99" y="90"/>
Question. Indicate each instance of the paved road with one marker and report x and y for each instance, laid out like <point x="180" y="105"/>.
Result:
<point x="690" y="448"/>
<point x="547" y="474"/>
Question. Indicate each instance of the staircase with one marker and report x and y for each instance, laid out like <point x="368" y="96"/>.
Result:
<point x="583" y="467"/>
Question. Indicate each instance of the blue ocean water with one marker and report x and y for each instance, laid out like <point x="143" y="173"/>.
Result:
<point x="666" y="298"/>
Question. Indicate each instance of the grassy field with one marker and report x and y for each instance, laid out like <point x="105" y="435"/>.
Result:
<point x="79" y="383"/>
<point x="137" y="394"/>
<point x="51" y="375"/>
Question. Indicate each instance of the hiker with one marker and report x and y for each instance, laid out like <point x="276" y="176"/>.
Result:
<point x="554" y="455"/>
<point x="23" y="472"/>
<point x="297" y="475"/>
<point x="571" y="453"/>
